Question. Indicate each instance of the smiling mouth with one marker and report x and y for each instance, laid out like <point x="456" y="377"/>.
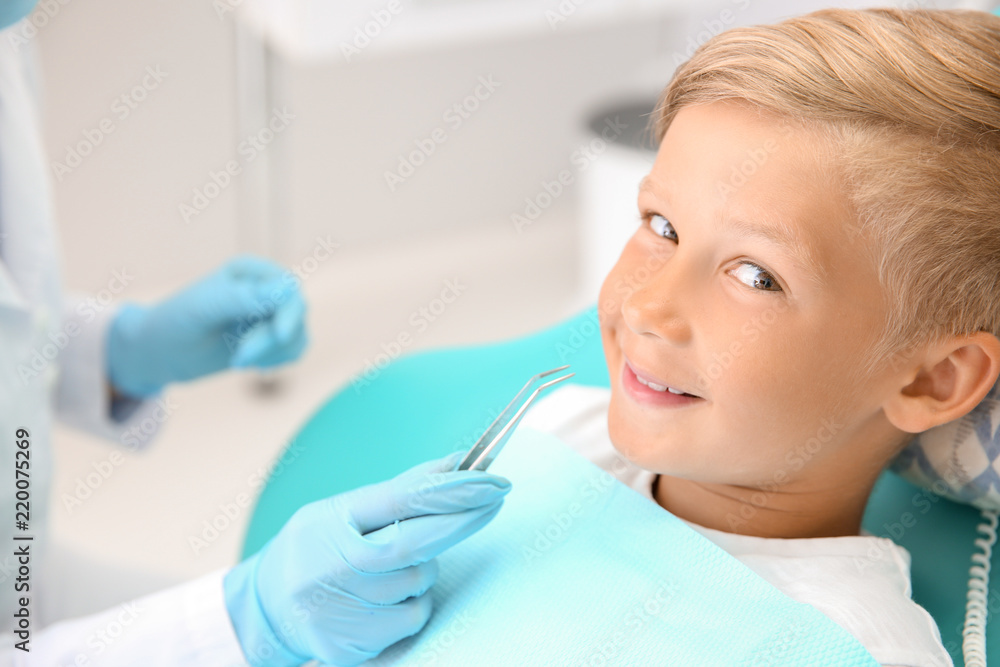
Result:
<point x="660" y="387"/>
<point x="652" y="384"/>
<point x="644" y="390"/>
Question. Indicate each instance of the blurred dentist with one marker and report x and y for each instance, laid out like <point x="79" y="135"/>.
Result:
<point x="346" y="577"/>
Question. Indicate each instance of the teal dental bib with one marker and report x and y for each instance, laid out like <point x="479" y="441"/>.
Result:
<point x="579" y="569"/>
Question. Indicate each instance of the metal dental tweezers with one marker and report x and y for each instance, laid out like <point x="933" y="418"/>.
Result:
<point x="492" y="441"/>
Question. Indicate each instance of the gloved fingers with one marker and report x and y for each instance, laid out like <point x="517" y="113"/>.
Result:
<point x="288" y="318"/>
<point x="404" y="619"/>
<point x="261" y="348"/>
<point x="363" y="632"/>
<point x="429" y="488"/>
<point x="442" y="468"/>
<point x="215" y="292"/>
<point x="252" y="266"/>
<point x="266" y="299"/>
<point x="273" y="355"/>
<point x="244" y="292"/>
<point x="409" y="617"/>
<point x="254" y="344"/>
<point x="263" y="317"/>
<point x="223" y="302"/>
<point x="260" y="305"/>
<point x="425" y="537"/>
<point x="391" y="587"/>
<point x="413" y="541"/>
<point x="273" y="287"/>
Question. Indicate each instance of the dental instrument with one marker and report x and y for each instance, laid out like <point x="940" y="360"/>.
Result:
<point x="481" y="455"/>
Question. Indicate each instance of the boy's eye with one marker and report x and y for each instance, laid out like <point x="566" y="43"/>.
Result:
<point x="661" y="226"/>
<point x="753" y="276"/>
<point x="748" y="273"/>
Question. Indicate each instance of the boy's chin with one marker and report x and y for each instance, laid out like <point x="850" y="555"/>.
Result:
<point x="660" y="455"/>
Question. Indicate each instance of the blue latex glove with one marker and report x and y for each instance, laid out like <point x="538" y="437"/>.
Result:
<point x="250" y="312"/>
<point x="12" y="11"/>
<point x="348" y="576"/>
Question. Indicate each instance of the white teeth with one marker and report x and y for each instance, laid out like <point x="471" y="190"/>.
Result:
<point x="658" y="387"/>
<point x="642" y="380"/>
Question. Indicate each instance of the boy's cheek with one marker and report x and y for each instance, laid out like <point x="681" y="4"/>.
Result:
<point x="608" y="300"/>
<point x="620" y="282"/>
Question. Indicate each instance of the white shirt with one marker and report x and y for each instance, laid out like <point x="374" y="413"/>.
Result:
<point x="862" y="583"/>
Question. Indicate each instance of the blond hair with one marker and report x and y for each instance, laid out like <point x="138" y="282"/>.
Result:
<point x="910" y="99"/>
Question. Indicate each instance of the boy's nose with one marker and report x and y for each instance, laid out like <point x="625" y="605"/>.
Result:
<point x="658" y="307"/>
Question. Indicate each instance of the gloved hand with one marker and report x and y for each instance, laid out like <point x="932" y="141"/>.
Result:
<point x="348" y="576"/>
<point x="250" y="312"/>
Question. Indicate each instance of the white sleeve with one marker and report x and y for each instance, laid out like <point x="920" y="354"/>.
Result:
<point x="83" y="397"/>
<point x="184" y="625"/>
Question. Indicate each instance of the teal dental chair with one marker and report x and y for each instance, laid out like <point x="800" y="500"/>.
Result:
<point x="428" y="404"/>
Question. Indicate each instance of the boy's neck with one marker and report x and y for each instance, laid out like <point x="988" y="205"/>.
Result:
<point x="784" y="513"/>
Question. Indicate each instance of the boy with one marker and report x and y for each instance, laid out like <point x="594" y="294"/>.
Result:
<point x="815" y="279"/>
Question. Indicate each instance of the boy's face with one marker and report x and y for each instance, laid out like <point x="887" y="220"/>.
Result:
<point x="709" y="299"/>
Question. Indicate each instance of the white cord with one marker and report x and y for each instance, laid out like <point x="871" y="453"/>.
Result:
<point x="974" y="632"/>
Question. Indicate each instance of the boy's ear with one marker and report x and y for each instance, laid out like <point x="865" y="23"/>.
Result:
<point x="953" y="377"/>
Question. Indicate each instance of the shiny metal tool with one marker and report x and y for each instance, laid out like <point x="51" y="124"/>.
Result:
<point x="481" y="455"/>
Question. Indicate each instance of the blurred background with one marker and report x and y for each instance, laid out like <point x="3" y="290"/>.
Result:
<point x="385" y="151"/>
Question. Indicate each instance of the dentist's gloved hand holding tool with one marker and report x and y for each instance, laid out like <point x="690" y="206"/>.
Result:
<point x="250" y="312"/>
<point x="349" y="575"/>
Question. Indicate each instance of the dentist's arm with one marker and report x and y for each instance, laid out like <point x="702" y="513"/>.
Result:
<point x="345" y="578"/>
<point x="250" y="312"/>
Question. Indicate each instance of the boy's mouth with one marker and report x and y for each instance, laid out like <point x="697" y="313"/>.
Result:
<point x="644" y="389"/>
